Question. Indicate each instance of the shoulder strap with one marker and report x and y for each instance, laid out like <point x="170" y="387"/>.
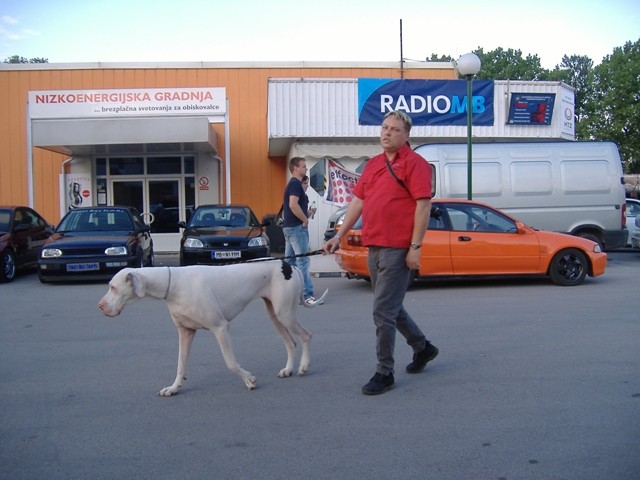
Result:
<point x="400" y="182"/>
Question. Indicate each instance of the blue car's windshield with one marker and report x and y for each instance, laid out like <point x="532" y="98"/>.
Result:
<point x="96" y="220"/>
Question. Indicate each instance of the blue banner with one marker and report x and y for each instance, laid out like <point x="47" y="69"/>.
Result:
<point x="427" y="102"/>
<point x="531" y="108"/>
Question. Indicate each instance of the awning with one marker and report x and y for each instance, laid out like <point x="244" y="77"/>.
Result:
<point x="338" y="149"/>
<point x="88" y="136"/>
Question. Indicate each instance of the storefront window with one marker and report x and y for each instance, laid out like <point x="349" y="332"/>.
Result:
<point x="157" y="185"/>
<point x="189" y="165"/>
<point x="316" y="176"/>
<point x="101" y="188"/>
<point x="126" y="166"/>
<point x="164" y="165"/>
<point x="101" y="166"/>
<point x="189" y="196"/>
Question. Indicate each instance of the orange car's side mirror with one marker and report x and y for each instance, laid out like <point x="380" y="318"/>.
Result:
<point x="522" y="228"/>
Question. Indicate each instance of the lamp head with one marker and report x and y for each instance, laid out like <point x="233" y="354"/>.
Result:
<point x="468" y="64"/>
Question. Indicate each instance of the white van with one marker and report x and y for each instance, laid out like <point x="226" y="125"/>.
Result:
<point x="570" y="187"/>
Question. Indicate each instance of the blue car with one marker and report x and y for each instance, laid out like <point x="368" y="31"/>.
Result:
<point x="94" y="243"/>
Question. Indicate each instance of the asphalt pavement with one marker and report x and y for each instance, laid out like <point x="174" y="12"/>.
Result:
<point x="533" y="381"/>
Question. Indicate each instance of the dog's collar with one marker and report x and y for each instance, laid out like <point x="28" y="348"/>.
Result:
<point x="168" y="284"/>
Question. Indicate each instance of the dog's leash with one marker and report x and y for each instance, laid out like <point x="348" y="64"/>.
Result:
<point x="270" y="259"/>
<point x="308" y="254"/>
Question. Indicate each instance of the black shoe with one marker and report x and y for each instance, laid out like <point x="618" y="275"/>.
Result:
<point x="421" y="358"/>
<point x="378" y="384"/>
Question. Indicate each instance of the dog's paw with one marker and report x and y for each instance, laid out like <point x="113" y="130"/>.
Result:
<point x="250" y="382"/>
<point x="168" y="391"/>
<point x="284" y="373"/>
<point x="303" y="370"/>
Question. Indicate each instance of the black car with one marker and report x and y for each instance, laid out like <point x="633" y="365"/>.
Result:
<point x="23" y="231"/>
<point x="219" y="234"/>
<point x="94" y="243"/>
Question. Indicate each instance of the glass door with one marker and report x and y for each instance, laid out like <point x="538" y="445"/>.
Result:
<point x="164" y="204"/>
<point x="130" y="193"/>
<point x="161" y="203"/>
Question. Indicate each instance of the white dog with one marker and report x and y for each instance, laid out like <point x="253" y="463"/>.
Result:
<point x="209" y="297"/>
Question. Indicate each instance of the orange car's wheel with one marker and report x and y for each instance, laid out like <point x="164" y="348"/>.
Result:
<point x="569" y="267"/>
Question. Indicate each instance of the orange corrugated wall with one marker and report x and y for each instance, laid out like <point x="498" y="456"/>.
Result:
<point x="256" y="180"/>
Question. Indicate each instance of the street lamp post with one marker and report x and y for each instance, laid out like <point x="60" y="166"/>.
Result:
<point x="468" y="66"/>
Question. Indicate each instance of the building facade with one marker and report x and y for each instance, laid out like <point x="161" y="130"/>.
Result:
<point x="169" y="137"/>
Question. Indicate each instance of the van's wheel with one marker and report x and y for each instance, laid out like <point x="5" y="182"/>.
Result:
<point x="569" y="267"/>
<point x="7" y="266"/>
<point x="593" y="237"/>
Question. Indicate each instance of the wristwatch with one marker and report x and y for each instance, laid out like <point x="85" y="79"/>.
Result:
<point x="414" y="246"/>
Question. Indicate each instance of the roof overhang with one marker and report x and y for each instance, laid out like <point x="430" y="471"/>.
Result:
<point x="99" y="136"/>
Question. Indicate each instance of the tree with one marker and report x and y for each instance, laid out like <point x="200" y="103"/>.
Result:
<point x="614" y="112"/>
<point x="19" y="59"/>
<point x="439" y="58"/>
<point x="500" y="64"/>
<point x="577" y="71"/>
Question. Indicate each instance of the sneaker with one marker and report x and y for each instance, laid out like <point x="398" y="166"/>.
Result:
<point x="421" y="358"/>
<point x="313" y="301"/>
<point x="378" y="384"/>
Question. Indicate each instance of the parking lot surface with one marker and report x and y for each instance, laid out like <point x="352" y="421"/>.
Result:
<point x="533" y="381"/>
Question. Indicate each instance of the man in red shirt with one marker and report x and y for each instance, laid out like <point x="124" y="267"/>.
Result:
<point x="395" y="209"/>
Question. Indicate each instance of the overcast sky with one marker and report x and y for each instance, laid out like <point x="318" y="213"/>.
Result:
<point x="67" y="31"/>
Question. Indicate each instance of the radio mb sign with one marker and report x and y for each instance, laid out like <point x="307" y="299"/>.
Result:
<point x="427" y="102"/>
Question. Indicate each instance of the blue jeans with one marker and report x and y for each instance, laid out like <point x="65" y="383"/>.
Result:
<point x="296" y="243"/>
<point x="389" y="280"/>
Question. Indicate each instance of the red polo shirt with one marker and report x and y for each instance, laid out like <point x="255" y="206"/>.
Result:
<point x="388" y="209"/>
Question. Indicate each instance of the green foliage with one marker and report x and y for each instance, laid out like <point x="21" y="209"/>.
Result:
<point x="19" y="59"/>
<point x="577" y="71"/>
<point x="615" y="110"/>
<point x="439" y="58"/>
<point x="508" y="64"/>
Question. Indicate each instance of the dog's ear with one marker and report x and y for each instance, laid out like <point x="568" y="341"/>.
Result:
<point x="137" y="282"/>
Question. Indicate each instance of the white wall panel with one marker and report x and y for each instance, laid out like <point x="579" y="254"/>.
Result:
<point x="325" y="109"/>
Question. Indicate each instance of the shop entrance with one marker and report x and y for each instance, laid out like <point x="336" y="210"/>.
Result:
<point x="160" y="201"/>
<point x="162" y="188"/>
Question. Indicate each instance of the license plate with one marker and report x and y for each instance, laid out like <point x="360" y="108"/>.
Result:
<point x="83" y="267"/>
<point x="226" y="255"/>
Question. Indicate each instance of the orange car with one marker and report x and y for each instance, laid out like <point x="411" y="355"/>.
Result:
<point x="467" y="238"/>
